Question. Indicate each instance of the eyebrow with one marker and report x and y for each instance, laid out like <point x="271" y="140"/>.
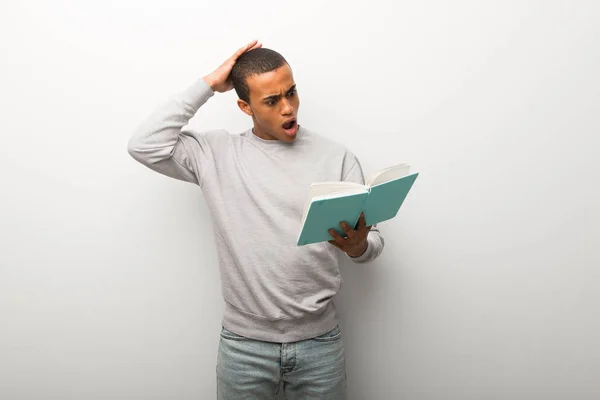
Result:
<point x="276" y="96"/>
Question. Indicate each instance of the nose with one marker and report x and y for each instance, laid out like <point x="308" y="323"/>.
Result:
<point x="286" y="107"/>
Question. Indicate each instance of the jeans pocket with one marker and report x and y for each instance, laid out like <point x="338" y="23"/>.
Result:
<point x="227" y="334"/>
<point x="331" y="336"/>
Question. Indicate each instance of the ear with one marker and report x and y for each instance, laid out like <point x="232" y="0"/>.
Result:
<point x="245" y="107"/>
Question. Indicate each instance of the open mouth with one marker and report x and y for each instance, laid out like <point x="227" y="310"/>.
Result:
<point x="290" y="127"/>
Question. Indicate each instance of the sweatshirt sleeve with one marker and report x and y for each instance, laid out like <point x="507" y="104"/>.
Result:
<point x="161" y="144"/>
<point x="352" y="171"/>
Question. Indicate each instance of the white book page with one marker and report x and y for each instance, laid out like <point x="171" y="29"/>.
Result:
<point x="389" y="174"/>
<point x="328" y="189"/>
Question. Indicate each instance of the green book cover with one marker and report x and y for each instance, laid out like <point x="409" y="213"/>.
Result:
<point x="384" y="200"/>
<point x="333" y="202"/>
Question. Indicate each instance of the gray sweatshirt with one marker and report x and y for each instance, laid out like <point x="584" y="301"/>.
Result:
<point x="256" y="191"/>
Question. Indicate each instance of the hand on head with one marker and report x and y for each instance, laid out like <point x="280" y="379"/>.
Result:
<point x="219" y="80"/>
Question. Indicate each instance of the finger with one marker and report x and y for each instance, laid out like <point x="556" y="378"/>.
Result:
<point x="256" y="46"/>
<point x="349" y="231"/>
<point x="361" y="222"/>
<point x="248" y="46"/>
<point x="244" y="49"/>
<point x="336" y="236"/>
<point x="252" y="47"/>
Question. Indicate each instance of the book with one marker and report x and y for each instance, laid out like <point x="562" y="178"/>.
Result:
<point x="330" y="203"/>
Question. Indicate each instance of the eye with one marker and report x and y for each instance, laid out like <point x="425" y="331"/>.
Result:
<point x="292" y="92"/>
<point x="270" y="102"/>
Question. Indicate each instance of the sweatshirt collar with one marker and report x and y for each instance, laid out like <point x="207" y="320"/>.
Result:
<point x="273" y="142"/>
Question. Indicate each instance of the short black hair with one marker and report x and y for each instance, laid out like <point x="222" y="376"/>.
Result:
<point x="253" y="62"/>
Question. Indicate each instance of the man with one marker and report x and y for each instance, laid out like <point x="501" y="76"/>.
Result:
<point x="279" y="323"/>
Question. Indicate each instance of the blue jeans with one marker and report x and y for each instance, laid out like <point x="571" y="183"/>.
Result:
<point x="309" y="369"/>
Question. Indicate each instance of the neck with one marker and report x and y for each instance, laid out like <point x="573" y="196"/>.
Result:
<point x="261" y="133"/>
<point x="257" y="132"/>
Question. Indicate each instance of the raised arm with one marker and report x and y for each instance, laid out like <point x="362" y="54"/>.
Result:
<point x="161" y="143"/>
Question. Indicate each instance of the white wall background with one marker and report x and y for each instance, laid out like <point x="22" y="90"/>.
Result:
<point x="489" y="287"/>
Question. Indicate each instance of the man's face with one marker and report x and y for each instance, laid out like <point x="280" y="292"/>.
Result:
<point x="273" y="104"/>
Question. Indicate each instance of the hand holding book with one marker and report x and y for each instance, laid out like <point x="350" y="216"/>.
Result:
<point x="376" y="201"/>
<point x="355" y="242"/>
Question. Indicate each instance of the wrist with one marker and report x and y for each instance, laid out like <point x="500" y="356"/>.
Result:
<point x="210" y="81"/>
<point x="359" y="252"/>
